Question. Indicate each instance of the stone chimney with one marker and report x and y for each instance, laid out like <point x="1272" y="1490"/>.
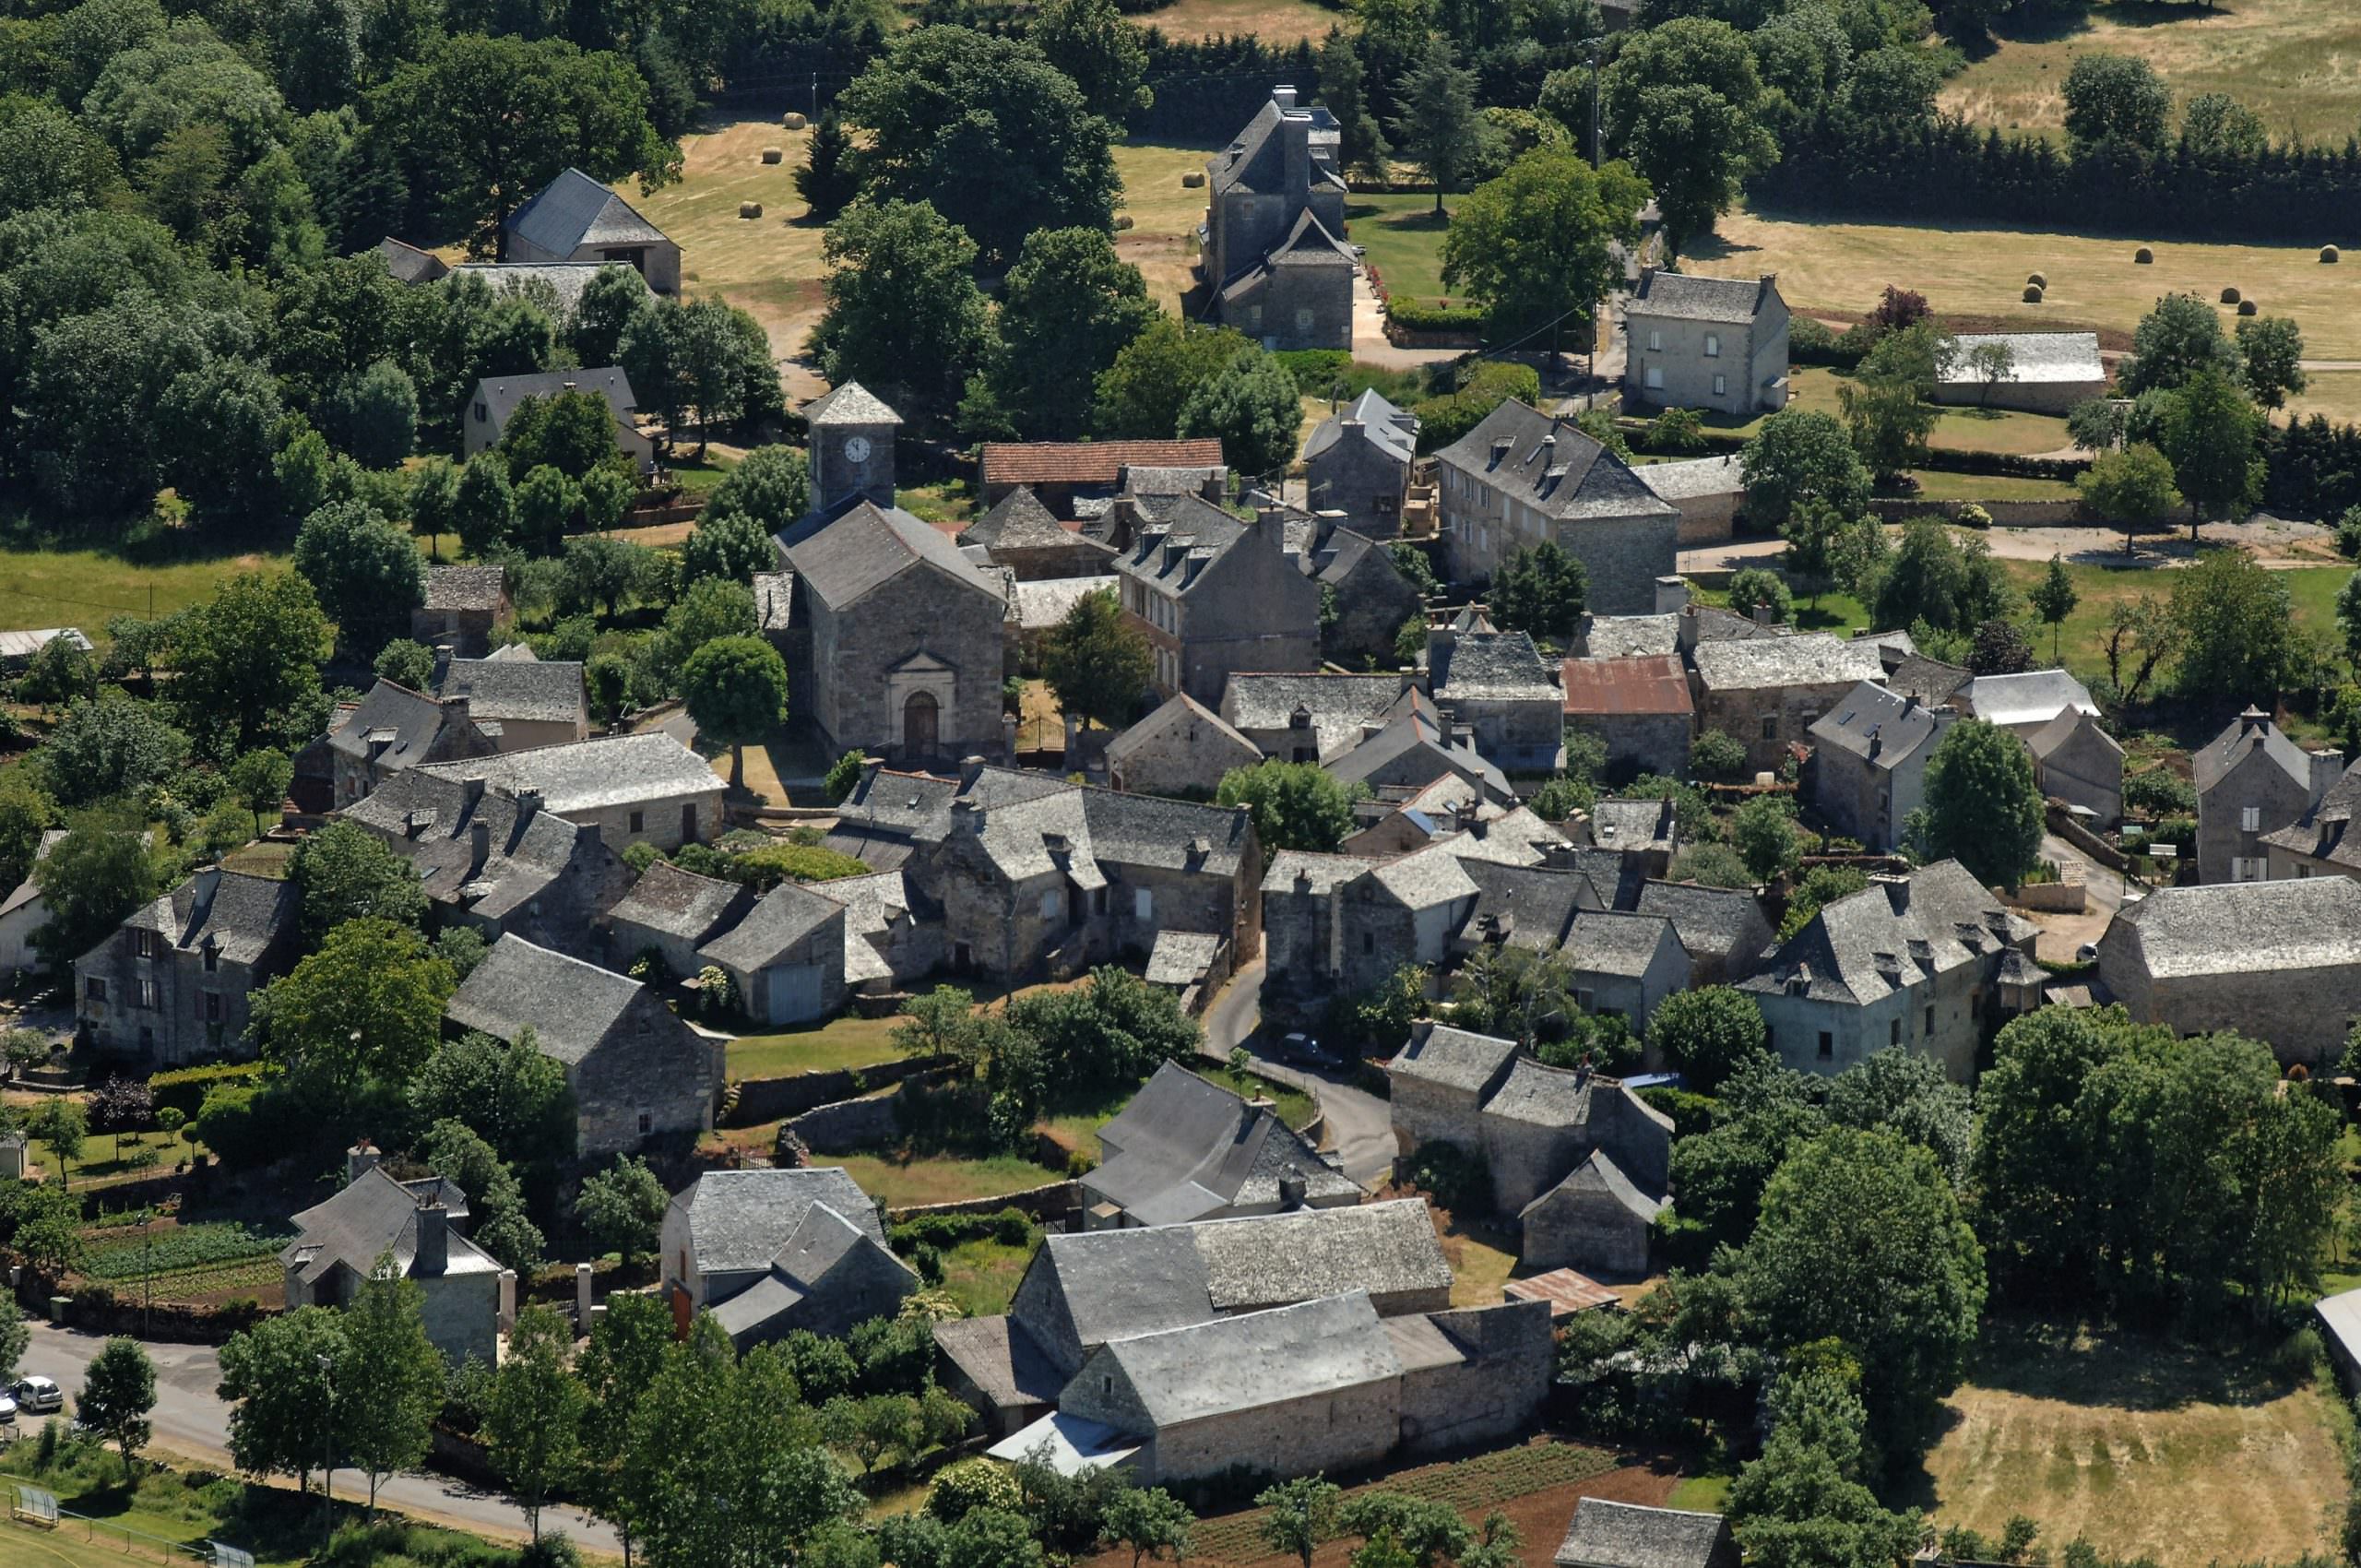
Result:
<point x="360" y="1159"/>
<point x="2252" y="721"/>
<point x="472" y="789"/>
<point x="528" y="804"/>
<point x="1295" y="133"/>
<point x="1672" y="594"/>
<point x="971" y="768"/>
<point x="1762" y="613"/>
<point x="2328" y="766"/>
<point x="1293" y="1189"/>
<point x="1284" y="96"/>
<point x="454" y="711"/>
<point x="433" y="1254"/>
<point x="479" y="843"/>
<point x="1897" y="890"/>
<point x="444" y="654"/>
<point x="966" y="816"/>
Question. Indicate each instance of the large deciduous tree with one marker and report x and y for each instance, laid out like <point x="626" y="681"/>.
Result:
<point x="1683" y="103"/>
<point x="2116" y="97"/>
<point x="2132" y="486"/>
<point x="2238" y="639"/>
<point x="249" y="665"/>
<point x="1536" y="246"/>
<point x="1983" y="805"/>
<point x="903" y="315"/>
<point x="1295" y="805"/>
<point x="1098" y="663"/>
<point x="118" y="1391"/>
<point x="344" y="873"/>
<point x="366" y="1008"/>
<point x="736" y="689"/>
<point x="1095" y="43"/>
<point x="2209" y="435"/>
<point x="1139" y="395"/>
<point x="279" y="1393"/>
<point x="1251" y="406"/>
<point x="367" y="572"/>
<point x="90" y="881"/>
<point x="1801" y="455"/>
<point x="389" y="1382"/>
<point x="1067" y="308"/>
<point x="533" y="1419"/>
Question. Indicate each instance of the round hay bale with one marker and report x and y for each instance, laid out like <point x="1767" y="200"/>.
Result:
<point x="2034" y="292"/>
<point x="774" y="155"/>
<point x="2328" y="257"/>
<point x="795" y="122"/>
<point x="750" y="209"/>
<point x="2039" y="281"/>
<point x="2144" y="257"/>
<point x="1192" y="179"/>
<point x="2246" y="307"/>
<point x="1122" y="221"/>
<point x="2229" y="296"/>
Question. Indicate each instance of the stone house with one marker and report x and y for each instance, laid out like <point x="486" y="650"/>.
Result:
<point x="634" y="789"/>
<point x="2276" y="961"/>
<point x="1372" y="600"/>
<point x="1712" y="343"/>
<point x="1708" y="493"/>
<point x="1395" y="828"/>
<point x="1357" y="462"/>
<point x="1767" y="693"/>
<point x="1317" y="1386"/>
<point x="1721" y="929"/>
<point x="637" y="1072"/>
<point x="671" y="913"/>
<point x="23" y="912"/>
<point x="2251" y="781"/>
<point x="1594" y="1221"/>
<point x="499" y="861"/>
<point x="1521" y="478"/>
<point x="1035" y="610"/>
<point x="1499" y="686"/>
<point x="1912" y="961"/>
<point x="1414" y="750"/>
<point x="1271" y="252"/>
<point x="1183" y="748"/>
<point x="2050" y="372"/>
<point x="1868" y="762"/>
<point x="789" y="958"/>
<point x="497" y="398"/>
<point x="463" y="604"/>
<point x="2313" y="845"/>
<point x="1623" y="964"/>
<point x="1625" y="1535"/>
<point x="1932" y="681"/>
<point x="1185" y="1149"/>
<point x="1312" y="717"/>
<point x="1640" y="708"/>
<point x="1213" y="595"/>
<point x="771" y="1251"/>
<point x="174" y="982"/>
<point x="1063" y="473"/>
<point x="532" y="702"/>
<point x="1084" y="1289"/>
<point x="1531" y="1125"/>
<point x="1023" y="535"/>
<point x="2025" y="703"/>
<point x="1646" y="828"/>
<point x="2077" y="761"/>
<point x="394" y="728"/>
<point x="464" y="1297"/>
<point x="574" y="219"/>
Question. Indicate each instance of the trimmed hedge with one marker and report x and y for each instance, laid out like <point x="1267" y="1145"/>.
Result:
<point x="1010" y="1226"/>
<point x="183" y="1087"/>
<point x="1417" y="316"/>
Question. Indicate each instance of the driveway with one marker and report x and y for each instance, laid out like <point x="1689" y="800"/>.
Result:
<point x="2062" y="935"/>
<point x="1360" y="1125"/>
<point x="192" y="1424"/>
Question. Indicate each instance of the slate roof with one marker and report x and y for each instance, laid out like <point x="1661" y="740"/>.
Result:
<point x="2041" y="358"/>
<point x="1326" y="872"/>
<point x="405" y="263"/>
<point x="1615" y="688"/>
<point x="1813" y="658"/>
<point x="1337" y="706"/>
<point x="1870" y="945"/>
<point x="1873" y="724"/>
<point x="1454" y="1058"/>
<point x="1633" y="824"/>
<point x="1524" y="906"/>
<point x="29" y="890"/>
<point x="392" y="725"/>
<point x="500" y="394"/>
<point x="586" y="775"/>
<point x="17" y="646"/>
<point x="1001" y="1359"/>
<point x="1608" y="941"/>
<point x="429" y="821"/>
<point x="1046" y="603"/>
<point x="741" y="1220"/>
<point x="842" y="558"/>
<point x="1181" y="957"/>
<point x="1391" y="430"/>
<point x="774" y="600"/>
<point x="1677" y="296"/>
<point x="1184" y="1148"/>
<point x="1707" y="919"/>
<point x="678" y="903"/>
<point x="465" y="587"/>
<point x="1098" y="464"/>
<point x="574" y="210"/>
<point x="2034" y="696"/>
<point x="1018" y="521"/>
<point x="245" y="915"/>
<point x="1609" y="637"/>
<point x="1931" y="680"/>
<point x="2044" y="741"/>
<point x="1255" y="161"/>
<point x="2246" y="928"/>
<point x="783" y="917"/>
<point x="1416" y="732"/>
<point x="1598" y="1174"/>
<point x="851" y="404"/>
<point x="1625" y="1535"/>
<point x="1492" y="666"/>
<point x="567" y="279"/>
<point x="518" y="653"/>
<point x="1179" y="708"/>
<point x="1550" y="466"/>
<point x="568" y="1004"/>
<point x="1256" y="1359"/>
<point x="545" y="691"/>
<point x="2251" y="731"/>
<point x="1693" y="477"/>
<point x="1174" y="552"/>
<point x="371" y="1216"/>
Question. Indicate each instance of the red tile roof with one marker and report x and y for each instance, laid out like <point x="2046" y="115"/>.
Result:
<point x="1089" y="462"/>
<point x="1566" y="1291"/>
<point x="1602" y="687"/>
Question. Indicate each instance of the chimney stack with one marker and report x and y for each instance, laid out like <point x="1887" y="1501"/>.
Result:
<point x="434" y="1255"/>
<point x="478" y="844"/>
<point x="1284" y="96"/>
<point x="360" y="1159"/>
<point x="971" y="768"/>
<point x="1293" y="1189"/>
<point x="2328" y="766"/>
<point x="528" y="804"/>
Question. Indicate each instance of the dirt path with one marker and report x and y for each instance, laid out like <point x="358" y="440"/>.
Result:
<point x="2277" y="543"/>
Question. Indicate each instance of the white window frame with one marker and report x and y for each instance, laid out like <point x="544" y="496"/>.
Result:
<point x="1051" y="905"/>
<point x="1721" y="386"/>
<point x="2249" y="819"/>
<point x="1143" y="903"/>
<point x="1655" y="342"/>
<point x="1652" y="377"/>
<point x="1713" y="345"/>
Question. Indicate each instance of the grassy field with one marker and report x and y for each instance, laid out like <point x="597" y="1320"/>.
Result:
<point x="1273" y="21"/>
<point x="83" y="588"/>
<point x="900" y="1182"/>
<point x="1840" y="270"/>
<point x="2313" y="588"/>
<point x="846" y="1041"/>
<point x="1162" y="240"/>
<point x="1956" y="430"/>
<point x="2295" y="62"/>
<point x="1937" y="486"/>
<point x="982" y="1276"/>
<point x="2184" y="1453"/>
<point x="1404" y="240"/>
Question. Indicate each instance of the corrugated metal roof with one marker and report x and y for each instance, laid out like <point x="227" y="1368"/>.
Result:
<point x="1601" y="687"/>
<point x="1089" y="462"/>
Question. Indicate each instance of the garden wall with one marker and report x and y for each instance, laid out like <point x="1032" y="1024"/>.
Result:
<point x="770" y="1100"/>
<point x="1052" y="1201"/>
<point x="847" y="1123"/>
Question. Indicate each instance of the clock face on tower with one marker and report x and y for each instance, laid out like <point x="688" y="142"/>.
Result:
<point x="855" y="448"/>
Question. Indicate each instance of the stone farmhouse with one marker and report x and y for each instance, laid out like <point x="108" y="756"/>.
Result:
<point x="1312" y="717"/>
<point x="463" y="604"/>
<point x="1498" y="685"/>
<point x="2276" y="961"/>
<point x="637" y="1072"/>
<point x="1358" y="461"/>
<point x="497" y="398"/>
<point x="1647" y="828"/>
<point x="2025" y="704"/>
<point x="633" y="789"/>
<point x="498" y="859"/>
<point x="1182" y="748"/>
<point x="2077" y="761"/>
<point x="23" y="910"/>
<point x="1640" y="708"/>
<point x="1768" y="692"/>
<point x="1024" y="535"/>
<point x="1185" y="1149"/>
<point x="392" y="729"/>
<point x="771" y="1251"/>
<point x="795" y="955"/>
<point x="1708" y="493"/>
<point x="576" y="219"/>
<point x="1717" y="343"/>
<point x="1412" y="751"/>
<point x="1721" y="929"/>
<point x="1272" y="252"/>
<point x="2048" y="372"/>
<point x="1371" y="598"/>
<point x="534" y="701"/>
<point x="1066" y="474"/>
<point x="1521" y="478"/>
<point x="1929" y="961"/>
<point x="2313" y="845"/>
<point x="1626" y="1535"/>
<point x="1868" y="762"/>
<point x="2253" y="781"/>
<point x="671" y="913"/>
<point x="174" y="982"/>
<point x="1213" y="595"/>
<point x="1085" y="1289"/>
<point x="464" y="1297"/>
<point x="1322" y="1386"/>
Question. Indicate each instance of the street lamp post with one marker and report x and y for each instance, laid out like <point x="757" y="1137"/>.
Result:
<point x="328" y="1458"/>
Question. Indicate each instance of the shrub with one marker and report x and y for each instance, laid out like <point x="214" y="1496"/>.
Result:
<point x="2158" y="792"/>
<point x="2039" y="281"/>
<point x="1753" y="588"/>
<point x="1456" y="1179"/>
<point x="2348" y="533"/>
<point x="1417" y="316"/>
<point x="1973" y="516"/>
<point x="1678" y="431"/>
<point x="2230" y="296"/>
<point x="971" y="1484"/>
<point x="2033" y="293"/>
<point x="2247" y="307"/>
<point x="1718" y="756"/>
<point x="2144" y="257"/>
<point x="184" y="1089"/>
<point x="2328" y="257"/>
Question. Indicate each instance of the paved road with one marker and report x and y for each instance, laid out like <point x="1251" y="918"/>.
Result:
<point x="193" y="1423"/>
<point x="2064" y="935"/>
<point x="1360" y="1125"/>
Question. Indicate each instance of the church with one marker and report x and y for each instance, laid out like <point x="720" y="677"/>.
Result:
<point x="893" y="640"/>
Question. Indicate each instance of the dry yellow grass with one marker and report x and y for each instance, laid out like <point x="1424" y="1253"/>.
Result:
<point x="1273" y="21"/>
<point x="1162" y="240"/>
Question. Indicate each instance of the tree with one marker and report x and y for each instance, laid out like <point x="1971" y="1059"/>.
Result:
<point x="367" y="1007"/>
<point x="2146" y="631"/>
<point x="1985" y="807"/>
<point x="1149" y="1520"/>
<point x="1707" y="1032"/>
<point x="736" y="689"/>
<point x="1890" y="419"/>
<point x="1989" y="363"/>
<point x="1536" y="245"/>
<point x="621" y="1207"/>
<point x="2271" y="355"/>
<point x="1439" y="127"/>
<point x="2237" y="620"/>
<point x="388" y="1384"/>
<point x="1253" y="407"/>
<point x="116" y="745"/>
<point x="710" y="607"/>
<point x="1801" y="455"/>
<point x="1683" y="102"/>
<point x="1098" y="663"/>
<point x="373" y="415"/>
<point x="1763" y="833"/>
<point x="2209" y="436"/>
<point x="533" y="1419"/>
<point x="546" y="501"/>
<point x="1754" y="590"/>
<point x="258" y="781"/>
<point x="515" y="1097"/>
<point x="367" y="572"/>
<point x="601" y="572"/>
<point x="903" y="314"/>
<point x="1299" y="1515"/>
<point x="573" y="432"/>
<point x="2180" y="337"/>
<point x="2116" y="97"/>
<point x="16" y="1339"/>
<point x="730" y="545"/>
<point x="1543" y="590"/>
<point x="2097" y="425"/>
<point x="1141" y="395"/>
<point x="1295" y="805"/>
<point x="406" y="663"/>
<point x="2000" y="646"/>
<point x="1427" y="1532"/>
<point x="2132" y="486"/>
<point x="1344" y="90"/>
<point x="616" y="1369"/>
<point x="1095" y="43"/>
<point x="484" y="507"/>
<point x="1804" y="1503"/>
<point x="346" y="873"/>
<point x="1952" y="584"/>
<point x="90" y="880"/>
<point x="611" y="302"/>
<point x="60" y="1124"/>
<point x="2054" y="598"/>
<point x="249" y="665"/>
<point x="118" y="1391"/>
<point x="771" y="486"/>
<point x="280" y="1392"/>
<point x="826" y="180"/>
<point x="60" y="673"/>
<point x="985" y="128"/>
<point x="1067" y="308"/>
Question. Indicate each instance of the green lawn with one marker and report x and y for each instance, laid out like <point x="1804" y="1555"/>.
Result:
<point x="840" y="1043"/>
<point x="1840" y="613"/>
<point x="901" y="1182"/>
<point x="1404" y="239"/>
<point x="1702" y="1494"/>
<point x="2083" y="634"/>
<point x="982" y="1276"/>
<point x="1956" y="430"/>
<point x="130" y="1523"/>
<point x="85" y="587"/>
<point x="1937" y="486"/>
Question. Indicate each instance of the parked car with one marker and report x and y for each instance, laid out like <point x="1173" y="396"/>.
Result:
<point x="1304" y="1048"/>
<point x="7" y="1409"/>
<point x="39" y="1395"/>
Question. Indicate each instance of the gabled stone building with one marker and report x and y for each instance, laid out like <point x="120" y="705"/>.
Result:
<point x="464" y="1295"/>
<point x="1767" y="693"/>
<point x="1023" y="535"/>
<point x="1498" y="686"/>
<point x="1640" y="708"/>
<point x="394" y="728"/>
<point x="1213" y="596"/>
<point x="525" y="703"/>
<point x="2077" y="761"/>
<point x="2252" y="782"/>
<point x="174" y="983"/>
<point x="646" y="786"/>
<point x="576" y="219"/>
<point x="1371" y="598"/>
<point x="463" y="604"/>
<point x="1271" y="251"/>
<point x="771" y="1251"/>
<point x="1868" y="762"/>
<point x="1357" y="462"/>
<point x="1185" y="1149"/>
<point x="1717" y="343"/>
<point x="1183" y="748"/>
<point x="2276" y="961"/>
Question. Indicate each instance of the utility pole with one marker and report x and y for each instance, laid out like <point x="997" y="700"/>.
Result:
<point x="1594" y="153"/>
<point x="815" y="98"/>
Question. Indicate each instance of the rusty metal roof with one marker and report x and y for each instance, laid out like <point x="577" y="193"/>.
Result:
<point x="1566" y="1291"/>
<point x="1089" y="462"/>
<point x="1653" y="684"/>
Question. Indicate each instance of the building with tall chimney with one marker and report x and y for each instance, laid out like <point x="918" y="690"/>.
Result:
<point x="1272" y="249"/>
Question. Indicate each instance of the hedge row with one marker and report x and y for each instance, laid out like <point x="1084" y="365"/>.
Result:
<point x="183" y="1087"/>
<point x="1417" y="316"/>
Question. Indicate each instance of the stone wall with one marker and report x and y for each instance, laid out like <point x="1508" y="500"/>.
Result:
<point x="1623" y="555"/>
<point x="846" y="1123"/>
<point x="651" y="1075"/>
<point x="1585" y="1228"/>
<point x="1792" y="710"/>
<point x="2302" y="1014"/>
<point x="1494" y="1395"/>
<point x="1746" y="357"/>
<point x="855" y="654"/>
<point x="1372" y="602"/>
<point x="774" y="1099"/>
<point x="1855" y="1031"/>
<point x="1652" y="743"/>
<point x="199" y="1013"/>
<point x="1050" y="1203"/>
<point x="1517" y="735"/>
<point x="2255" y="781"/>
<point x="462" y="1315"/>
<point x="1183" y="753"/>
<point x="665" y="821"/>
